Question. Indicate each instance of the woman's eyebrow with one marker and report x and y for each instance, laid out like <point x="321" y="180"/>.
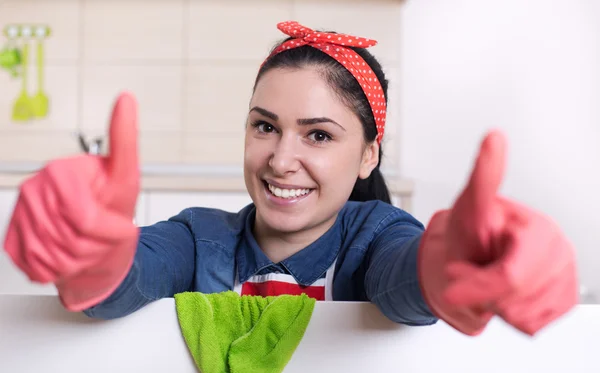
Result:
<point x="309" y="121"/>
<point x="302" y="121"/>
<point x="265" y="112"/>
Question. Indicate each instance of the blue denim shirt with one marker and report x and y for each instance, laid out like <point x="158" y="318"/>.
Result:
<point x="201" y="248"/>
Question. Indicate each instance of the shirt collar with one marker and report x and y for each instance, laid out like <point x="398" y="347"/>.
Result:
<point x="306" y="266"/>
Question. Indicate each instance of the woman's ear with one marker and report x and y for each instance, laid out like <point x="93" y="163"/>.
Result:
<point x="370" y="160"/>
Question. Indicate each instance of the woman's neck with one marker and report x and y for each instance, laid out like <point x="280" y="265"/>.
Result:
<point x="279" y="246"/>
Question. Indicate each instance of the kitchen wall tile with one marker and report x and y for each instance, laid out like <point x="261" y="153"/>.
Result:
<point x="217" y="98"/>
<point x="38" y="146"/>
<point x="133" y="30"/>
<point x="60" y="85"/>
<point x="157" y="89"/>
<point x="61" y="15"/>
<point x="375" y="19"/>
<point x="160" y="147"/>
<point x="213" y="149"/>
<point x="235" y="29"/>
<point x="193" y="88"/>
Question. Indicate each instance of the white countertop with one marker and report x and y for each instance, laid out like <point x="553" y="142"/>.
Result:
<point x="37" y="335"/>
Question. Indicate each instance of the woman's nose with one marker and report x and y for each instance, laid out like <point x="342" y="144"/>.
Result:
<point x="285" y="158"/>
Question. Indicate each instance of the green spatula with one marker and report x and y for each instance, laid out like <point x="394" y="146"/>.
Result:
<point x="39" y="102"/>
<point x="22" y="110"/>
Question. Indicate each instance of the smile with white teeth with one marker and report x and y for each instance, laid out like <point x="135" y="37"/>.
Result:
<point x="287" y="193"/>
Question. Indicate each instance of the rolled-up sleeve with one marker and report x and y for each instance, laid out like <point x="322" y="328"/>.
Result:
<point x="163" y="266"/>
<point x="391" y="280"/>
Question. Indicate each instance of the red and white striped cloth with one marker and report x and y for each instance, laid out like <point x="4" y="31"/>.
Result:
<point x="274" y="284"/>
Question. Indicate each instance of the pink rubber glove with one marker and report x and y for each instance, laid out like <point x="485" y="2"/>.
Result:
<point x="488" y="255"/>
<point x="73" y="221"/>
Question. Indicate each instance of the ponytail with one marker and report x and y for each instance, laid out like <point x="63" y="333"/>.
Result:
<point x="371" y="188"/>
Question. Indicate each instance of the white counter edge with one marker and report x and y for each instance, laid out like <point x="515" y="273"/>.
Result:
<point x="38" y="335"/>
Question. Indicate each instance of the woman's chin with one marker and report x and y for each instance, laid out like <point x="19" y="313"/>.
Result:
<point x="284" y="222"/>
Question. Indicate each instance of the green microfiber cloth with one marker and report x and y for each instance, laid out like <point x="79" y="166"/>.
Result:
<point x="226" y="332"/>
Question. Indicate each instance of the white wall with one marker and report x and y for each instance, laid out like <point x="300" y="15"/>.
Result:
<point x="531" y="68"/>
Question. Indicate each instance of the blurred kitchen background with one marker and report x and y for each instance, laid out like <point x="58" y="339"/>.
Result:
<point x="457" y="69"/>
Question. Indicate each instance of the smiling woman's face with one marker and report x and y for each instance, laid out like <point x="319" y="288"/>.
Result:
<point x="304" y="150"/>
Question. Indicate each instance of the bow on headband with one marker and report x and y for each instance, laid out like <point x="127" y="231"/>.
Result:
<point x="336" y="46"/>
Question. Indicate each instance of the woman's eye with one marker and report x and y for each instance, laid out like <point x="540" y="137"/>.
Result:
<point x="264" y="127"/>
<point x="319" y="136"/>
<point x="267" y="128"/>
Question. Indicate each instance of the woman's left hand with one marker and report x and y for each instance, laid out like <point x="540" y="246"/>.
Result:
<point x="489" y="255"/>
<point x="531" y="276"/>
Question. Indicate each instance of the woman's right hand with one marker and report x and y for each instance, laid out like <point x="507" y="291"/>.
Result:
<point x="73" y="221"/>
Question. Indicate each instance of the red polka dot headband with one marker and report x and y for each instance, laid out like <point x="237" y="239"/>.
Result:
<point x="335" y="46"/>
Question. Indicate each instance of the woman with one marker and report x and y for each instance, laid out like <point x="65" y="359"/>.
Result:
<point x="320" y="221"/>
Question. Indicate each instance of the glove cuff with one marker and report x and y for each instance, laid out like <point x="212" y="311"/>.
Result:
<point x="93" y="286"/>
<point x="432" y="259"/>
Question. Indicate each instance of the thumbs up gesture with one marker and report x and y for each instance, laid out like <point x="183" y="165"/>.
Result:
<point x="72" y="224"/>
<point x="490" y="256"/>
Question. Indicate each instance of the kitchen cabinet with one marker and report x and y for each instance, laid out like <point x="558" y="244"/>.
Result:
<point x="161" y="205"/>
<point x="12" y="280"/>
<point x="152" y="206"/>
<point x="8" y="197"/>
